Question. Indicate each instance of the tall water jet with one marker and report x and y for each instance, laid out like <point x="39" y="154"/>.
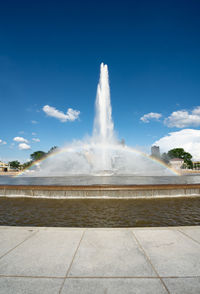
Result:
<point x="103" y="133"/>
<point x="103" y="124"/>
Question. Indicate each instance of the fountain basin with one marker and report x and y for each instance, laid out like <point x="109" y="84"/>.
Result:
<point x="100" y="191"/>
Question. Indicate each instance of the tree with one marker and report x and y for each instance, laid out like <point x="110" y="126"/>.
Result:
<point x="165" y="158"/>
<point x="53" y="149"/>
<point x="14" y="164"/>
<point x="37" y="155"/>
<point x="180" y="153"/>
<point x="26" y="164"/>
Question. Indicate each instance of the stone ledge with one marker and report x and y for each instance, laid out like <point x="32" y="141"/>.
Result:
<point x="101" y="191"/>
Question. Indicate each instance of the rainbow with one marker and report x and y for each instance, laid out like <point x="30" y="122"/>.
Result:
<point x="88" y="146"/>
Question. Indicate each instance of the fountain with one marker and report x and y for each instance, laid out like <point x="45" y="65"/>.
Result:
<point x="102" y="154"/>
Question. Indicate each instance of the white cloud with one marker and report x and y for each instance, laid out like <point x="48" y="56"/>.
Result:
<point x="24" y="146"/>
<point x="70" y="115"/>
<point x="2" y="142"/>
<point x="188" y="139"/>
<point x="20" y="139"/>
<point x="21" y="132"/>
<point x="34" y="122"/>
<point x="152" y="115"/>
<point x="36" y="139"/>
<point x="183" y="118"/>
<point x="34" y="134"/>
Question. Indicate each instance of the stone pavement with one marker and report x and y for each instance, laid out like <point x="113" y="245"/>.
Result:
<point x="102" y="261"/>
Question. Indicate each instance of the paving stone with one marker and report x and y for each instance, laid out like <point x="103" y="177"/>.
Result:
<point x="12" y="285"/>
<point x="171" y="253"/>
<point x="11" y="238"/>
<point x="103" y="254"/>
<point x="48" y="253"/>
<point x="113" y="286"/>
<point x="183" y="285"/>
<point x="111" y="253"/>
<point x="193" y="232"/>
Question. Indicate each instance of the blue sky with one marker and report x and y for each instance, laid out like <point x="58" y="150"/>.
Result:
<point x="50" y="54"/>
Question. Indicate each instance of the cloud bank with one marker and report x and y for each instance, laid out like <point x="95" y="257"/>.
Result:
<point x="70" y="115"/>
<point x="149" y="116"/>
<point x="188" y="139"/>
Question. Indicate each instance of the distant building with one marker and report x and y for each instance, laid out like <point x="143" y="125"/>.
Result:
<point x="155" y="151"/>
<point x="196" y="165"/>
<point x="176" y="163"/>
<point x="4" y="167"/>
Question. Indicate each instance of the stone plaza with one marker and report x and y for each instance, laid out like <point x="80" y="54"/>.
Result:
<point x="100" y="260"/>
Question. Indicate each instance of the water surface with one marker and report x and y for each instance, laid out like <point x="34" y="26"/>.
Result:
<point x="99" y="213"/>
<point x="100" y="180"/>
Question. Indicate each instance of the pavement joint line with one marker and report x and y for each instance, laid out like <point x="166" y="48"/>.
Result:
<point x="185" y="234"/>
<point x="132" y="277"/>
<point x="69" y="268"/>
<point x="149" y="260"/>
<point x="98" y="277"/>
<point x="179" y="277"/>
<point x="31" y="277"/>
<point x="79" y="277"/>
<point x="27" y="238"/>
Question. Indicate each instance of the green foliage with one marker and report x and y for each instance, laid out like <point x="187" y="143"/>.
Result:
<point x="14" y="164"/>
<point x="37" y="155"/>
<point x="165" y="158"/>
<point x="26" y="164"/>
<point x="180" y="153"/>
<point x="53" y="149"/>
<point x="184" y="166"/>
